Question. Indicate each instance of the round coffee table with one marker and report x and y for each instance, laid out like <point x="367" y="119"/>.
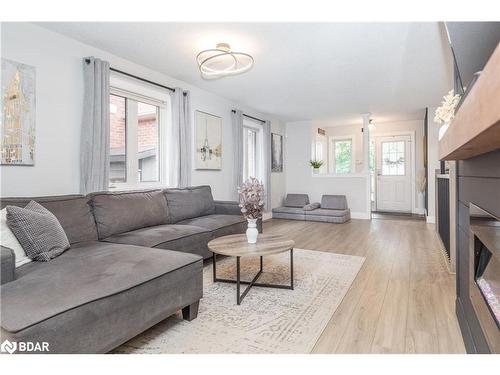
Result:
<point x="236" y="245"/>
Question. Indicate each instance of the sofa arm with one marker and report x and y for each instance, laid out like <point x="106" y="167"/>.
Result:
<point x="311" y="206"/>
<point x="227" y="208"/>
<point x="8" y="265"/>
<point x="233" y="208"/>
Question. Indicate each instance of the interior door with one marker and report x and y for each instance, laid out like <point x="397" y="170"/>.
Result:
<point x="393" y="159"/>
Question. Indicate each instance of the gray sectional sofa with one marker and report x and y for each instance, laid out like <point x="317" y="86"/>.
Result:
<point x="135" y="259"/>
<point x="332" y="209"/>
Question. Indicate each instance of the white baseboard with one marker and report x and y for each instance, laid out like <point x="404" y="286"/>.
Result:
<point x="361" y="215"/>
<point x="354" y="215"/>
<point x="267" y="216"/>
<point x="430" y="219"/>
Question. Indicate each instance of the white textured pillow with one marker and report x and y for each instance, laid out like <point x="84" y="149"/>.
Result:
<point x="8" y="239"/>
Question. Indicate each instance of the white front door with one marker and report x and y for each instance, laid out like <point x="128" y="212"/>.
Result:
<point x="393" y="173"/>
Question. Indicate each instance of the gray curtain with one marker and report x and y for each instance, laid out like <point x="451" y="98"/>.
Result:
<point x="237" y="131"/>
<point x="267" y="164"/>
<point x="181" y="162"/>
<point x="94" y="151"/>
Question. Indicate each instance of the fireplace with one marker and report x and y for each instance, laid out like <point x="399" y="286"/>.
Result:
<point x="485" y="273"/>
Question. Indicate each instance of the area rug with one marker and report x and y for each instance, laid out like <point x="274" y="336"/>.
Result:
<point x="268" y="320"/>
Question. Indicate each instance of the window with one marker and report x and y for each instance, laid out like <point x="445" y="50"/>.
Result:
<point x="321" y="152"/>
<point x="148" y="134"/>
<point x="318" y="155"/>
<point x="137" y="122"/>
<point x="342" y="155"/>
<point x="118" y="140"/>
<point x="252" y="150"/>
<point x="393" y="158"/>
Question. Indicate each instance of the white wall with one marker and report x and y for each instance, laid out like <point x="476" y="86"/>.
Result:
<point x="59" y="98"/>
<point x="433" y="163"/>
<point x="299" y="177"/>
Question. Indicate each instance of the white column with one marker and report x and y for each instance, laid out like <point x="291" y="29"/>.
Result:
<point x="366" y="143"/>
<point x="366" y="162"/>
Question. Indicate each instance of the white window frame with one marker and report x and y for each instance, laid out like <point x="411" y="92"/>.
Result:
<point x="322" y="141"/>
<point x="259" y="150"/>
<point x="331" y="153"/>
<point x="145" y="93"/>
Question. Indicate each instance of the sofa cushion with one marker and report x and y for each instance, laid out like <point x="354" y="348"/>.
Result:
<point x="9" y="241"/>
<point x="311" y="206"/>
<point x="106" y="323"/>
<point x="327" y="212"/>
<point x="296" y="200"/>
<point x="87" y="272"/>
<point x="190" y="202"/>
<point x="185" y="238"/>
<point x="73" y="212"/>
<point x="328" y="219"/>
<point x="334" y="202"/>
<point x="125" y="211"/>
<point x="220" y="225"/>
<point x="289" y="210"/>
<point x="38" y="231"/>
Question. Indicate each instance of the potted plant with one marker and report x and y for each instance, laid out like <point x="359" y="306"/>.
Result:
<point x="316" y="164"/>
<point x="446" y="112"/>
<point x="251" y="194"/>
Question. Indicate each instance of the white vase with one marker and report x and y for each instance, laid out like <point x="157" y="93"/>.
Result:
<point x="316" y="170"/>
<point x="442" y="131"/>
<point x="252" y="232"/>
<point x="421" y="201"/>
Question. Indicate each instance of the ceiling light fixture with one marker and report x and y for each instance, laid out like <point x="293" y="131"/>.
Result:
<point x="221" y="61"/>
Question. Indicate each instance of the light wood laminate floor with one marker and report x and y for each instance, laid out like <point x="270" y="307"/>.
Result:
<point x="403" y="299"/>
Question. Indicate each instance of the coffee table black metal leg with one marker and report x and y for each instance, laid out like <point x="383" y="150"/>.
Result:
<point x="238" y="298"/>
<point x="214" y="266"/>
<point x="253" y="282"/>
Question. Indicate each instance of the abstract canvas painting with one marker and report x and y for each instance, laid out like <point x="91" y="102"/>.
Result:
<point x="18" y="108"/>
<point x="276" y="152"/>
<point x="208" y="135"/>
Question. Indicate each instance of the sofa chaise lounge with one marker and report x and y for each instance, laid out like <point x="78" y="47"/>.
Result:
<point x="333" y="209"/>
<point x="135" y="259"/>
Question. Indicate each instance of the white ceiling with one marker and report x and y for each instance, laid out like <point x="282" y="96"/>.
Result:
<point x="303" y="71"/>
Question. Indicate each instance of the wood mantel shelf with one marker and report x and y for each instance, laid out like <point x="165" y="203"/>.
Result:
<point x="476" y="127"/>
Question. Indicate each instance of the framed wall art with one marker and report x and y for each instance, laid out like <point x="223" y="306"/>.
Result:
<point x="208" y="133"/>
<point x="17" y="131"/>
<point x="276" y="152"/>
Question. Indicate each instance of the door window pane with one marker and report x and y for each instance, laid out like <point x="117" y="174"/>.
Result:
<point x="343" y="156"/>
<point x="118" y="139"/>
<point x="393" y="158"/>
<point x="148" y="133"/>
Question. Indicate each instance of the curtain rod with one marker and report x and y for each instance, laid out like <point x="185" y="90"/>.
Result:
<point x="139" y="78"/>
<point x="253" y="118"/>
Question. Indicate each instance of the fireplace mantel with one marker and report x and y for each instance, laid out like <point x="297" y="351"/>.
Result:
<point x="476" y="127"/>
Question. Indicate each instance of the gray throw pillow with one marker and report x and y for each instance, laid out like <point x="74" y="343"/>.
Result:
<point x="38" y="231"/>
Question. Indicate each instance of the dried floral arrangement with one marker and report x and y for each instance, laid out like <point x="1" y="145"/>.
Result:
<point x="421" y="180"/>
<point x="251" y="194"/>
<point x="446" y="112"/>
